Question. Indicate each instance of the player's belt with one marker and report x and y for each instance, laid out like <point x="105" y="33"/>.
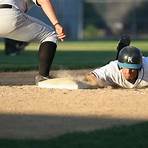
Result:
<point x="5" y="6"/>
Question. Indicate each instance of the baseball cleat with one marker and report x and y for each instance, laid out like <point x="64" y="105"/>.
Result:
<point x="123" y="42"/>
<point x="40" y="78"/>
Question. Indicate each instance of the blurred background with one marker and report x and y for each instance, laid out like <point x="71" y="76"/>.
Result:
<point x="100" y="19"/>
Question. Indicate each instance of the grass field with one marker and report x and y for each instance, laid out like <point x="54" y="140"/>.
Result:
<point x="70" y="55"/>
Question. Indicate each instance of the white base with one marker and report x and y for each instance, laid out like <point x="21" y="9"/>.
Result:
<point x="62" y="83"/>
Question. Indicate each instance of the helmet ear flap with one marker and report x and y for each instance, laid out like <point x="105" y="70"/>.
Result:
<point x="130" y="57"/>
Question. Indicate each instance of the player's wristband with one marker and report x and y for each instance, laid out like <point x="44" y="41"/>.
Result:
<point x="56" y="24"/>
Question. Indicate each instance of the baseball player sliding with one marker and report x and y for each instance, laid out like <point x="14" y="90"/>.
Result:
<point x="15" y="24"/>
<point x="130" y="70"/>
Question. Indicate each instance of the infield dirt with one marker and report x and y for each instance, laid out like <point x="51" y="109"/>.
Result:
<point x="27" y="111"/>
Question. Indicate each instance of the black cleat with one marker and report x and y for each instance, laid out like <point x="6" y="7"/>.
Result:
<point x="40" y="78"/>
<point x="123" y="42"/>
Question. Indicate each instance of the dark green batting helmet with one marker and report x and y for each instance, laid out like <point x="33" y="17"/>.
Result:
<point x="130" y="57"/>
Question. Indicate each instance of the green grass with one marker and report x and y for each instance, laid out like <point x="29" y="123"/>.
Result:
<point x="134" y="136"/>
<point x="70" y="55"/>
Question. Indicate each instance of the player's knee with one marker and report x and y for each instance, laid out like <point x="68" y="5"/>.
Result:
<point x="51" y="38"/>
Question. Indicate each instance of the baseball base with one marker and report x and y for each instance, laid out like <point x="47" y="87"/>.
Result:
<point x="63" y="83"/>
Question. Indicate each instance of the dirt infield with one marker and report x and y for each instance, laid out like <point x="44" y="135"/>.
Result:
<point x="27" y="111"/>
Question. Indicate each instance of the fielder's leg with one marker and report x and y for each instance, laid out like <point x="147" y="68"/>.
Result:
<point x="46" y="54"/>
<point x="14" y="47"/>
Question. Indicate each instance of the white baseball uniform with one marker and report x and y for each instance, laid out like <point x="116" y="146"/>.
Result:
<point x="111" y="74"/>
<point x="15" y="24"/>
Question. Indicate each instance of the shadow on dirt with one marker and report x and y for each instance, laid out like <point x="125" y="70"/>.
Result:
<point x="44" y="131"/>
<point x="14" y="126"/>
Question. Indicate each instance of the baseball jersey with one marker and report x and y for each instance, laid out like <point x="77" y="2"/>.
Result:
<point x="23" y="5"/>
<point x="111" y="74"/>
